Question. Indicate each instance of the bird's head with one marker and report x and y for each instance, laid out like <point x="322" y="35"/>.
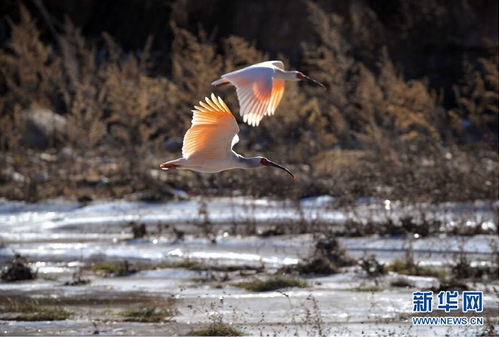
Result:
<point x="305" y="78"/>
<point x="265" y="162"/>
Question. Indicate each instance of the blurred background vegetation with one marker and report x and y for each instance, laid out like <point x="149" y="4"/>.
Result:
<point x="94" y="95"/>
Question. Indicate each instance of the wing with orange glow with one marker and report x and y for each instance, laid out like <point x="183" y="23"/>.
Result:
<point x="254" y="91"/>
<point x="213" y="132"/>
<point x="258" y="92"/>
<point x="277" y="92"/>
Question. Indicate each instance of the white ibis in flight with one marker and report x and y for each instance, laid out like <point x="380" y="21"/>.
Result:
<point x="260" y="88"/>
<point x="208" y="143"/>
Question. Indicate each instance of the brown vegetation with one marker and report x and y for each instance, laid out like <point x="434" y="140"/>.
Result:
<point x="150" y="314"/>
<point x="17" y="270"/>
<point x="31" y="310"/>
<point x="398" y="139"/>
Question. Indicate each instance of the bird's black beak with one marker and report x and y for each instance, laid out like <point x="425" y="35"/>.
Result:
<point x="271" y="163"/>
<point x="308" y="79"/>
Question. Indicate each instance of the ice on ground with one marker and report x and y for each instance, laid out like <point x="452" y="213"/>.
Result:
<point x="60" y="239"/>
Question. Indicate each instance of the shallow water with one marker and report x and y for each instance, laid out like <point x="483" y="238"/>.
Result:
<point x="60" y="238"/>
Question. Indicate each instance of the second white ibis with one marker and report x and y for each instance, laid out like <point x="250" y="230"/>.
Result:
<point x="260" y="88"/>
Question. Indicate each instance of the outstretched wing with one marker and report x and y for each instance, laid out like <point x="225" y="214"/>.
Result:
<point x="258" y="92"/>
<point x="277" y="92"/>
<point x="213" y="132"/>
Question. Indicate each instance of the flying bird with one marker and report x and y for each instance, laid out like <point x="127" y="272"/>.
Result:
<point x="260" y="88"/>
<point x="208" y="143"/>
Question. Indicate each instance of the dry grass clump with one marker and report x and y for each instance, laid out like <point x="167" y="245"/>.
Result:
<point x="317" y="266"/>
<point x="326" y="259"/>
<point x="150" y="314"/>
<point x="328" y="246"/>
<point x="463" y="269"/>
<point x="218" y="326"/>
<point x="217" y="329"/>
<point x="17" y="270"/>
<point x="77" y="279"/>
<point x="110" y="269"/>
<point x="409" y="267"/>
<point x="31" y="310"/>
<point x="372" y="266"/>
<point x="274" y="283"/>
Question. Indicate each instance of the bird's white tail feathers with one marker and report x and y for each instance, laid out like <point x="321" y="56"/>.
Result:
<point x="220" y="82"/>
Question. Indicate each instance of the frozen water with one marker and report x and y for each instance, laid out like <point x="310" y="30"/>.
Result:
<point x="59" y="238"/>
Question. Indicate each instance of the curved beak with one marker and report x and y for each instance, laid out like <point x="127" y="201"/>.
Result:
<point x="306" y="78"/>
<point x="271" y="163"/>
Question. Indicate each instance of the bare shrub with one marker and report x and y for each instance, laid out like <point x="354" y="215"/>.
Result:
<point x="477" y="99"/>
<point x="17" y="270"/>
<point x="195" y="64"/>
<point x="372" y="267"/>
